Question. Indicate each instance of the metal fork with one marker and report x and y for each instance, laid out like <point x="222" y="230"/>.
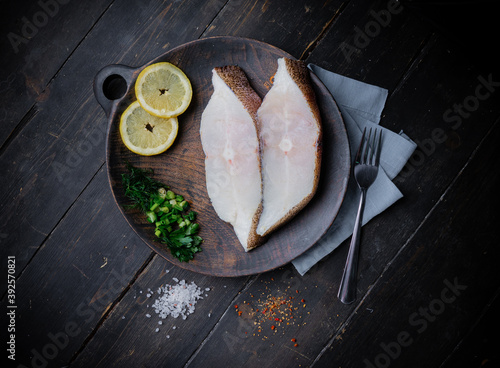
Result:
<point x="365" y="172"/>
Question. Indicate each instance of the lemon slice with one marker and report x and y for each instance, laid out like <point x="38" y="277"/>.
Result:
<point x="145" y="134"/>
<point x="163" y="90"/>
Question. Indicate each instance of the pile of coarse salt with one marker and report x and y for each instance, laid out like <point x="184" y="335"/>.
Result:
<point x="178" y="299"/>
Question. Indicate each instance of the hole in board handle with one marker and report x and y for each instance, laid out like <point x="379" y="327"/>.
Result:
<point x="114" y="87"/>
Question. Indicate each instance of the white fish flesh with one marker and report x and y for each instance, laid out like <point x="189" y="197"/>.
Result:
<point x="230" y="142"/>
<point x="290" y="134"/>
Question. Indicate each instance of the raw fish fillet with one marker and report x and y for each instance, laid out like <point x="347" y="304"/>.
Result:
<point x="230" y="141"/>
<point x="290" y="133"/>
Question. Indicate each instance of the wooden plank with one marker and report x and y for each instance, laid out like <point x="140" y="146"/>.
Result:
<point x="69" y="179"/>
<point x="230" y="340"/>
<point x="62" y="146"/>
<point x="322" y="312"/>
<point x="327" y="314"/>
<point x="128" y="336"/>
<point x="88" y="356"/>
<point x="437" y="286"/>
<point x="480" y="346"/>
<point x="231" y="329"/>
<point x="278" y="311"/>
<point x="82" y="268"/>
<point x="293" y="27"/>
<point x="470" y="26"/>
<point x="434" y="165"/>
<point x="372" y="41"/>
<point x="36" y="39"/>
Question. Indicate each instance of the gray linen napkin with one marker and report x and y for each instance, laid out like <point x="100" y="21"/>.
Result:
<point x="361" y="105"/>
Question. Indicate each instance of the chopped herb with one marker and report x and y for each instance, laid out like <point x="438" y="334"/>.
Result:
<point x="174" y="224"/>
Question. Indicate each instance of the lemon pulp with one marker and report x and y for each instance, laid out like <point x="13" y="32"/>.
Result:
<point x="163" y="90"/>
<point x="145" y="134"/>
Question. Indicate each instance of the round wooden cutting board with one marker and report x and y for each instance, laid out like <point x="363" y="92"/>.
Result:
<point x="182" y="166"/>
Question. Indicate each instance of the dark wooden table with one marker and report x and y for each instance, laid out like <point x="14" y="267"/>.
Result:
<point x="428" y="287"/>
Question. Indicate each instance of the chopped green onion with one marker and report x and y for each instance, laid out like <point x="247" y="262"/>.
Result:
<point x="162" y="192"/>
<point x="151" y="216"/>
<point x="164" y="208"/>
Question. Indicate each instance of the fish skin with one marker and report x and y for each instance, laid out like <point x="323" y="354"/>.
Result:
<point x="230" y="140"/>
<point x="290" y="97"/>
<point x="235" y="78"/>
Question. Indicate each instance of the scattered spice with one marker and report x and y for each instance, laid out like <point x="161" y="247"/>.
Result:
<point x="275" y="310"/>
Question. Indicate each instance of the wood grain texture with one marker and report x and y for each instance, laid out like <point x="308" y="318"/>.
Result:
<point x="182" y="166"/>
<point x="294" y="27"/>
<point x="438" y="285"/>
<point x="128" y="337"/>
<point x="62" y="145"/>
<point x="36" y="41"/>
<point x="379" y="56"/>
<point x="60" y="230"/>
<point x="75" y="278"/>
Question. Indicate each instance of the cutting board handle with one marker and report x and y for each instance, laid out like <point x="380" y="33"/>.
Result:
<point x="112" y="83"/>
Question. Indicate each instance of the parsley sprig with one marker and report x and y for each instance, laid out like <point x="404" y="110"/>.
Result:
<point x="174" y="224"/>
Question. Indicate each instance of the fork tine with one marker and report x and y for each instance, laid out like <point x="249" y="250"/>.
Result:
<point x="360" y="148"/>
<point x="378" y="147"/>
<point x="366" y="148"/>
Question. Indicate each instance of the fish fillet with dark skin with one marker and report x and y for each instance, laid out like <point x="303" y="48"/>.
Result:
<point x="262" y="158"/>
<point x="290" y="134"/>
<point x="230" y="142"/>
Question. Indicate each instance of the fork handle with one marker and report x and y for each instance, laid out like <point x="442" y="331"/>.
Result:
<point x="347" y="290"/>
